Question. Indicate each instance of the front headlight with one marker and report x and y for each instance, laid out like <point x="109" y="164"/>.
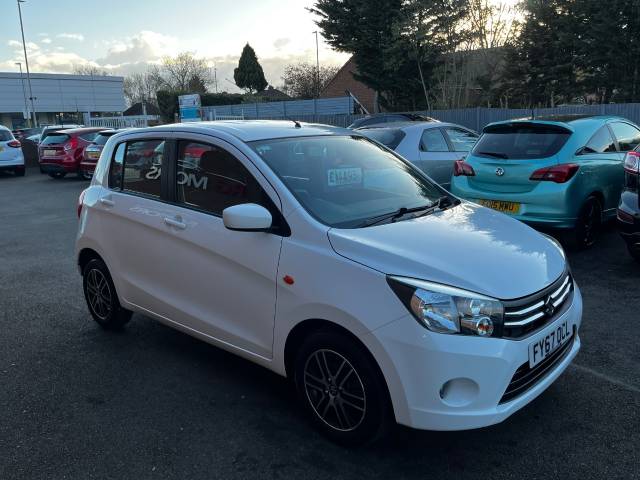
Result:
<point x="445" y="309"/>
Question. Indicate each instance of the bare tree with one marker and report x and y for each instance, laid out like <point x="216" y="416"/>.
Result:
<point x="89" y="70"/>
<point x="143" y="86"/>
<point x="185" y="73"/>
<point x="300" y="79"/>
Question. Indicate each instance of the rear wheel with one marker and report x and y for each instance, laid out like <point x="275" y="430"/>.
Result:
<point x="634" y="251"/>
<point x="342" y="389"/>
<point x="101" y="297"/>
<point x="57" y="175"/>
<point x="587" y="229"/>
<point x="20" y="172"/>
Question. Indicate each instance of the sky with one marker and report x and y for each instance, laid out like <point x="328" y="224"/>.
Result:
<point x="124" y="36"/>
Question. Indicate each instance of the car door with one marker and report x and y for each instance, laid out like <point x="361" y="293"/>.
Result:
<point x="436" y="159"/>
<point x="130" y="209"/>
<point x="224" y="281"/>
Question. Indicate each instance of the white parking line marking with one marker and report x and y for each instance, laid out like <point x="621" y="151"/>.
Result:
<point x="602" y="376"/>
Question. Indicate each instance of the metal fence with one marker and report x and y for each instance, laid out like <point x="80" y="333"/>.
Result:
<point x="286" y="109"/>
<point x="474" y="118"/>
<point x="135" y="121"/>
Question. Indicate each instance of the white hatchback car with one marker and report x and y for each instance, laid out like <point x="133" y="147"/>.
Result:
<point x="433" y="147"/>
<point x="11" y="156"/>
<point x="320" y="255"/>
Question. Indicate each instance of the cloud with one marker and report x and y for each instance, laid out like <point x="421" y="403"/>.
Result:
<point x="147" y="46"/>
<point x="46" y="40"/>
<point x="71" y="36"/>
<point x="281" y="42"/>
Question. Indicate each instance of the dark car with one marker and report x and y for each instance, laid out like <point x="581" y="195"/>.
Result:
<point x="61" y="152"/>
<point x="379" y="118"/>
<point x="92" y="152"/>
<point x="628" y="215"/>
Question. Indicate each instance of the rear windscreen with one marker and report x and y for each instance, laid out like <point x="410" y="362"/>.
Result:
<point x="5" y="136"/>
<point x="522" y="142"/>
<point x="389" y="137"/>
<point x="55" y="138"/>
<point x="102" y="138"/>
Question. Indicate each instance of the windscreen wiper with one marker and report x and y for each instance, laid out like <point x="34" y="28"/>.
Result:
<point x="494" y="154"/>
<point x="441" y="203"/>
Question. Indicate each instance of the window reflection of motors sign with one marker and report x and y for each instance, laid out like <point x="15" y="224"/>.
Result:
<point x="183" y="178"/>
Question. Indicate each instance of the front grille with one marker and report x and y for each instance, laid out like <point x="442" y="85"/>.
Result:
<point x="526" y="377"/>
<point x="528" y="314"/>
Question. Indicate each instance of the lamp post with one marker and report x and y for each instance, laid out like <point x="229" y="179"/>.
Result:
<point x="317" y="67"/>
<point x="24" y="93"/>
<point x="26" y="62"/>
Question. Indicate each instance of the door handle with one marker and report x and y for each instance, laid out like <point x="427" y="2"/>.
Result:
<point x="108" y="202"/>
<point x="175" y="223"/>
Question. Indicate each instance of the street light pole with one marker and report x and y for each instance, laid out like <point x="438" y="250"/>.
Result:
<point x="26" y="62"/>
<point x="24" y="92"/>
<point x="317" y="67"/>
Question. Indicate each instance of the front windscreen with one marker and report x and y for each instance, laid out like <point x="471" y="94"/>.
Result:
<point x="346" y="181"/>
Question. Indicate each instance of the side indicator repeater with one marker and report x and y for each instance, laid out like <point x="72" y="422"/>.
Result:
<point x="288" y="279"/>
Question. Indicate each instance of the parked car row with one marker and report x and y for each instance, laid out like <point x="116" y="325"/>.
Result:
<point x="569" y="174"/>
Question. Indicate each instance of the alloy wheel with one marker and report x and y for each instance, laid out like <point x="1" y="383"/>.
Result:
<point x="98" y="294"/>
<point x="334" y="390"/>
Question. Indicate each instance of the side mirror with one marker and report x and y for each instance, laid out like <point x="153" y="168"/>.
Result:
<point x="247" y="217"/>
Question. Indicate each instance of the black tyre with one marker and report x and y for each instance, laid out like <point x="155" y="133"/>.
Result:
<point x="587" y="229"/>
<point x="101" y="297"/>
<point x="20" y="172"/>
<point x="57" y="175"/>
<point x="342" y="389"/>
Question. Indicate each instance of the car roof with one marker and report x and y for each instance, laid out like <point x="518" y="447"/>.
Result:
<point x="79" y="131"/>
<point x="2" y="127"/>
<point x="571" y="122"/>
<point x="251" y="130"/>
<point x="408" y="125"/>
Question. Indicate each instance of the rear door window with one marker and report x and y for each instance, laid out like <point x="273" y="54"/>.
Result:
<point x="115" y="169"/>
<point x="461" y="140"/>
<point x="522" y="141"/>
<point x="143" y="167"/>
<point x="627" y="135"/>
<point x="433" y="140"/>
<point x="601" y="142"/>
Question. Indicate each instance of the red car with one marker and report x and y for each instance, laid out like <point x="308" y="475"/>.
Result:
<point x="62" y="151"/>
<point x="92" y="152"/>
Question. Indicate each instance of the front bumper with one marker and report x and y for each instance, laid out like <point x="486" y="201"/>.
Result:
<point x="418" y="364"/>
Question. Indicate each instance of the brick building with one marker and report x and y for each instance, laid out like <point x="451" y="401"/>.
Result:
<point x="344" y="81"/>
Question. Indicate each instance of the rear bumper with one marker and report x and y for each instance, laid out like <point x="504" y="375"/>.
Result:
<point x="47" y="167"/>
<point x="12" y="167"/>
<point x="87" y="167"/>
<point x="547" y="206"/>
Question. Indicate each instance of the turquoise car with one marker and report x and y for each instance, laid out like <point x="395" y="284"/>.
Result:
<point x="552" y="173"/>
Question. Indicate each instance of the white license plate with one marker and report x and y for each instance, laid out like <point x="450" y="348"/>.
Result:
<point x="344" y="176"/>
<point x="49" y="153"/>
<point x="543" y="347"/>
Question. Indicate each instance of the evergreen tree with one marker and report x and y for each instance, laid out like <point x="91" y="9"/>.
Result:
<point x="249" y="74"/>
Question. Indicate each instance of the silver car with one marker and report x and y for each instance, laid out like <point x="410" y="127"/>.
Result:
<point x="431" y="146"/>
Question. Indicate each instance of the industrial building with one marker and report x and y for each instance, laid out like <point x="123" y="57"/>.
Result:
<point x="58" y="97"/>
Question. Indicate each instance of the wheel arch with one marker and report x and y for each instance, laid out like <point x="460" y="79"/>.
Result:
<point x="85" y="256"/>
<point x="306" y="327"/>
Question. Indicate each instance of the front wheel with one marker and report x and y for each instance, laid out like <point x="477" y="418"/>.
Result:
<point x="342" y="389"/>
<point x="587" y="229"/>
<point x="101" y="297"/>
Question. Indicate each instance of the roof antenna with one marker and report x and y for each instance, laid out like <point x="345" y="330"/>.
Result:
<point x="297" y="123"/>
